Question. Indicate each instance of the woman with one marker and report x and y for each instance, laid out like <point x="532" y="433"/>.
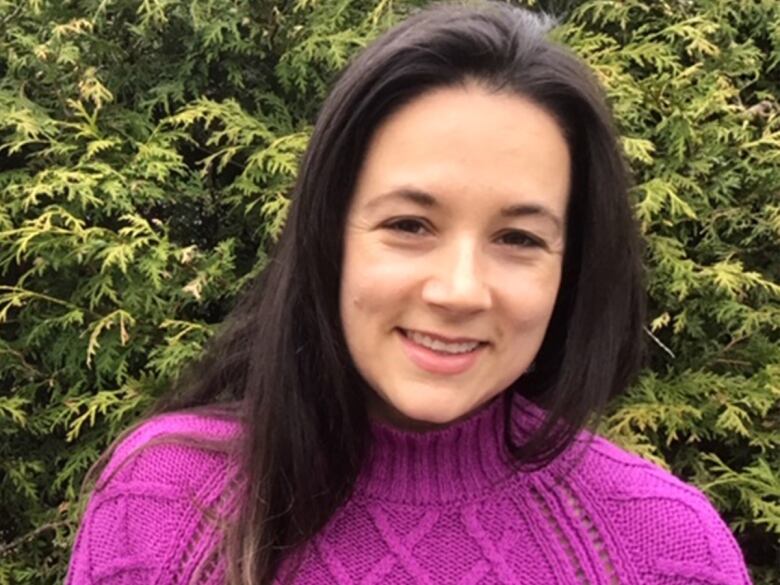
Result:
<point x="401" y="398"/>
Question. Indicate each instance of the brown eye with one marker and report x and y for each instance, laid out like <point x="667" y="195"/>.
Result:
<point x="408" y="225"/>
<point x="520" y="239"/>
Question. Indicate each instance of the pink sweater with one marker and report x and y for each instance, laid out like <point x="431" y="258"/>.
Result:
<point x="438" y="507"/>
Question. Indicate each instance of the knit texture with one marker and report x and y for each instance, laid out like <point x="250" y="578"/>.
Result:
<point x="438" y="507"/>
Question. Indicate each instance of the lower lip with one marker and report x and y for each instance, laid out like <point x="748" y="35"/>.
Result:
<point x="437" y="362"/>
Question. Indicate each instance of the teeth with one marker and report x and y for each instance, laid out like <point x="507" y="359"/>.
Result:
<point x="438" y="345"/>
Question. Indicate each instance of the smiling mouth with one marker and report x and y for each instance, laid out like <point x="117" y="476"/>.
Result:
<point x="442" y="345"/>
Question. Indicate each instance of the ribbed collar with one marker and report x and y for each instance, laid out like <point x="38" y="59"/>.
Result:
<point x="459" y="462"/>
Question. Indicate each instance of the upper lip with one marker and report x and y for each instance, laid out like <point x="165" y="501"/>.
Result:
<point x="444" y="338"/>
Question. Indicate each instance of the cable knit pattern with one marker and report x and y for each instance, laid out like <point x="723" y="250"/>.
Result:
<point x="438" y="507"/>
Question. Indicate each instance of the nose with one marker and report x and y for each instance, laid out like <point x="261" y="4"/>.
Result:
<point x="456" y="282"/>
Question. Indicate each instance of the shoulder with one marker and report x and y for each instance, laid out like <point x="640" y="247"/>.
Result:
<point x="150" y="499"/>
<point x="667" y="527"/>
<point x="172" y="448"/>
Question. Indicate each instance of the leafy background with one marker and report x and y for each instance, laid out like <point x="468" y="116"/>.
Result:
<point x="146" y="150"/>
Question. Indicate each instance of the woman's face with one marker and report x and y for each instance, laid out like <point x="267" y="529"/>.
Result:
<point x="453" y="250"/>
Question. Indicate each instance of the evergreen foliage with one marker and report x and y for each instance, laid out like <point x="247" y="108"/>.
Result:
<point x="146" y="150"/>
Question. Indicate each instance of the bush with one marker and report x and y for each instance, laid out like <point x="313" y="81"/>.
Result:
<point x="146" y="149"/>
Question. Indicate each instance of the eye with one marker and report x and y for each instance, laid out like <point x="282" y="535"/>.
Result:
<point x="407" y="225"/>
<point x="520" y="239"/>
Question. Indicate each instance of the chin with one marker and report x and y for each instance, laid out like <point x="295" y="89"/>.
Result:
<point x="427" y="413"/>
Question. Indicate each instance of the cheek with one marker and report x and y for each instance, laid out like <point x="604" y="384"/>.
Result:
<point x="371" y="292"/>
<point x="373" y="280"/>
<point x="370" y="300"/>
<point x="531" y="305"/>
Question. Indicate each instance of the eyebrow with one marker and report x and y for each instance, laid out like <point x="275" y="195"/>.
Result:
<point x="425" y="199"/>
<point x="415" y="196"/>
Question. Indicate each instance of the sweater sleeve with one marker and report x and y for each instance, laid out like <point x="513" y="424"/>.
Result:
<point x="670" y="530"/>
<point x="144" y="522"/>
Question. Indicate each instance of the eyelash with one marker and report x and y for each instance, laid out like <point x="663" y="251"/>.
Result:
<point x="531" y="241"/>
<point x="396" y="225"/>
<point x="416" y="224"/>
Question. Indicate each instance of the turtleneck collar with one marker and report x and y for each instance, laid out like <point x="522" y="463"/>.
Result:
<point x="458" y="462"/>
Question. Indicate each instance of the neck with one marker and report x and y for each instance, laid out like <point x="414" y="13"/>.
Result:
<point x="458" y="461"/>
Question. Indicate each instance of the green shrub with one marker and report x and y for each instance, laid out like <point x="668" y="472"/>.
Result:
<point x="146" y="149"/>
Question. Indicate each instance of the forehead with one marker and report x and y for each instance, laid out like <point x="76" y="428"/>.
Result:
<point x="472" y="145"/>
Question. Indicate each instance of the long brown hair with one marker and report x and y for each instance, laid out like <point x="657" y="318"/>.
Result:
<point x="281" y="355"/>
